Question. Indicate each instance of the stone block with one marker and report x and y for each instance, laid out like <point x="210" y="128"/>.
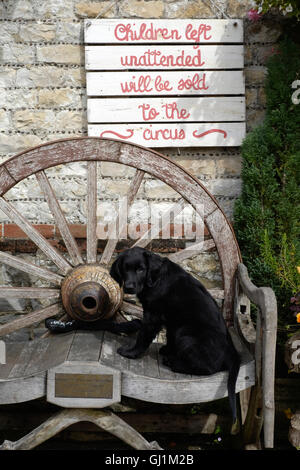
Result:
<point x="11" y="144"/>
<point x="17" y="54"/>
<point x="188" y="9"/>
<point x="67" y="31"/>
<point x="156" y="189"/>
<point x="229" y="166"/>
<point x="7" y="77"/>
<point x="33" y="120"/>
<point x="251" y="96"/>
<point x="224" y="187"/>
<point x="36" y="32"/>
<point x="49" y="76"/>
<point x="141" y="8"/>
<point x="198" y="166"/>
<point x="92" y="9"/>
<point x="4" y="120"/>
<point x="18" y="98"/>
<point x="62" y="97"/>
<point x="262" y="31"/>
<point x="68" y="54"/>
<point x="70" y="121"/>
<point x="239" y="8"/>
<point x="255" y="75"/>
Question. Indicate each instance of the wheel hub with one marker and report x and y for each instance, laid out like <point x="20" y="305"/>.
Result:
<point x="89" y="293"/>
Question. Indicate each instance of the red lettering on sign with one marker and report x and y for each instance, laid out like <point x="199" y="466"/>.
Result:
<point x="172" y="111"/>
<point x="198" y="136"/>
<point x="120" y="136"/>
<point x="192" y="34"/>
<point x="141" y="86"/>
<point x="197" y="82"/>
<point x="148" y="112"/>
<point x="127" y="32"/>
<point x="165" y="134"/>
<point x="156" y="58"/>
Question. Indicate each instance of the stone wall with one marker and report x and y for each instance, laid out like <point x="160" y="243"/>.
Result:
<point x="43" y="98"/>
<point x="43" y="94"/>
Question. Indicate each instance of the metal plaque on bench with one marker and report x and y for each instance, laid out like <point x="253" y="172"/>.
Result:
<point x="83" y="385"/>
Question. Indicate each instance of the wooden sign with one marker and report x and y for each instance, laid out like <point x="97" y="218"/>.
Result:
<point x="163" y="83"/>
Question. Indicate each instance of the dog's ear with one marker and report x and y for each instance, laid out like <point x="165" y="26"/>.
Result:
<point x="116" y="270"/>
<point x="154" y="264"/>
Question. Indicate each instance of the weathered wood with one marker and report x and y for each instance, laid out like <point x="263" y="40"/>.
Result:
<point x="25" y="266"/>
<point x="201" y="83"/>
<point x="265" y="299"/>
<point x="132" y="309"/>
<point x="34" y="235"/>
<point x="106" y="420"/>
<point x="59" y="218"/>
<point x="92" y="213"/>
<point x="29" y="319"/>
<point x="192" y="250"/>
<point x="206" y="57"/>
<point x="99" y="31"/>
<point x="229" y="257"/>
<point x="216" y="109"/>
<point x="29" y="292"/>
<point x="86" y="346"/>
<point x="121" y="223"/>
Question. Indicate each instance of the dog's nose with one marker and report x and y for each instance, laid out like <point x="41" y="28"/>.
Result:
<point x="129" y="288"/>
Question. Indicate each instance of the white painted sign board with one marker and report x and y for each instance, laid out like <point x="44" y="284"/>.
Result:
<point x="163" y="83"/>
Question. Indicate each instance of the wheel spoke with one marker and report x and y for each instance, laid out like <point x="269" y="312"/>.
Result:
<point x="192" y="250"/>
<point x="148" y="236"/>
<point x="59" y="218"/>
<point x="34" y="235"/>
<point x="29" y="292"/>
<point x="132" y="309"/>
<point x="29" y="268"/>
<point x="30" y="318"/>
<point x="112" y="242"/>
<point x="91" y="236"/>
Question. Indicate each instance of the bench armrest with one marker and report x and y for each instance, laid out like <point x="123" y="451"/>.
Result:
<point x="264" y="341"/>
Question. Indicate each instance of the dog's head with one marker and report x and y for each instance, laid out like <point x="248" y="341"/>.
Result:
<point x="135" y="269"/>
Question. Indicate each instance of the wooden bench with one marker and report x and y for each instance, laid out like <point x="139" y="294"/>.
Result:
<point x="81" y="371"/>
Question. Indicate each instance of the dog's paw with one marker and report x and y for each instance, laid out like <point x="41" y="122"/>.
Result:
<point x="128" y="352"/>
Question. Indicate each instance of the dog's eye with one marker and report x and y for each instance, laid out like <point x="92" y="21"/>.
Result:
<point x="140" y="270"/>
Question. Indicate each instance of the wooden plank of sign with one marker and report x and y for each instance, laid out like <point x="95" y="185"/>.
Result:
<point x="179" y="135"/>
<point x="165" y="83"/>
<point x="166" y="109"/>
<point x="163" y="57"/>
<point x="172" y="31"/>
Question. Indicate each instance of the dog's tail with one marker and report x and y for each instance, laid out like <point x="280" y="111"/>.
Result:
<point x="234" y="368"/>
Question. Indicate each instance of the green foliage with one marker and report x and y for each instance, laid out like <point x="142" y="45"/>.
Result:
<point x="290" y="8"/>
<point x="266" y="216"/>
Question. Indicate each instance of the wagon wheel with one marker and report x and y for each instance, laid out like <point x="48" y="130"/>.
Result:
<point x="78" y="280"/>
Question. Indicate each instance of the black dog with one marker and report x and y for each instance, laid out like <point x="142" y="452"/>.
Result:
<point x="197" y="338"/>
